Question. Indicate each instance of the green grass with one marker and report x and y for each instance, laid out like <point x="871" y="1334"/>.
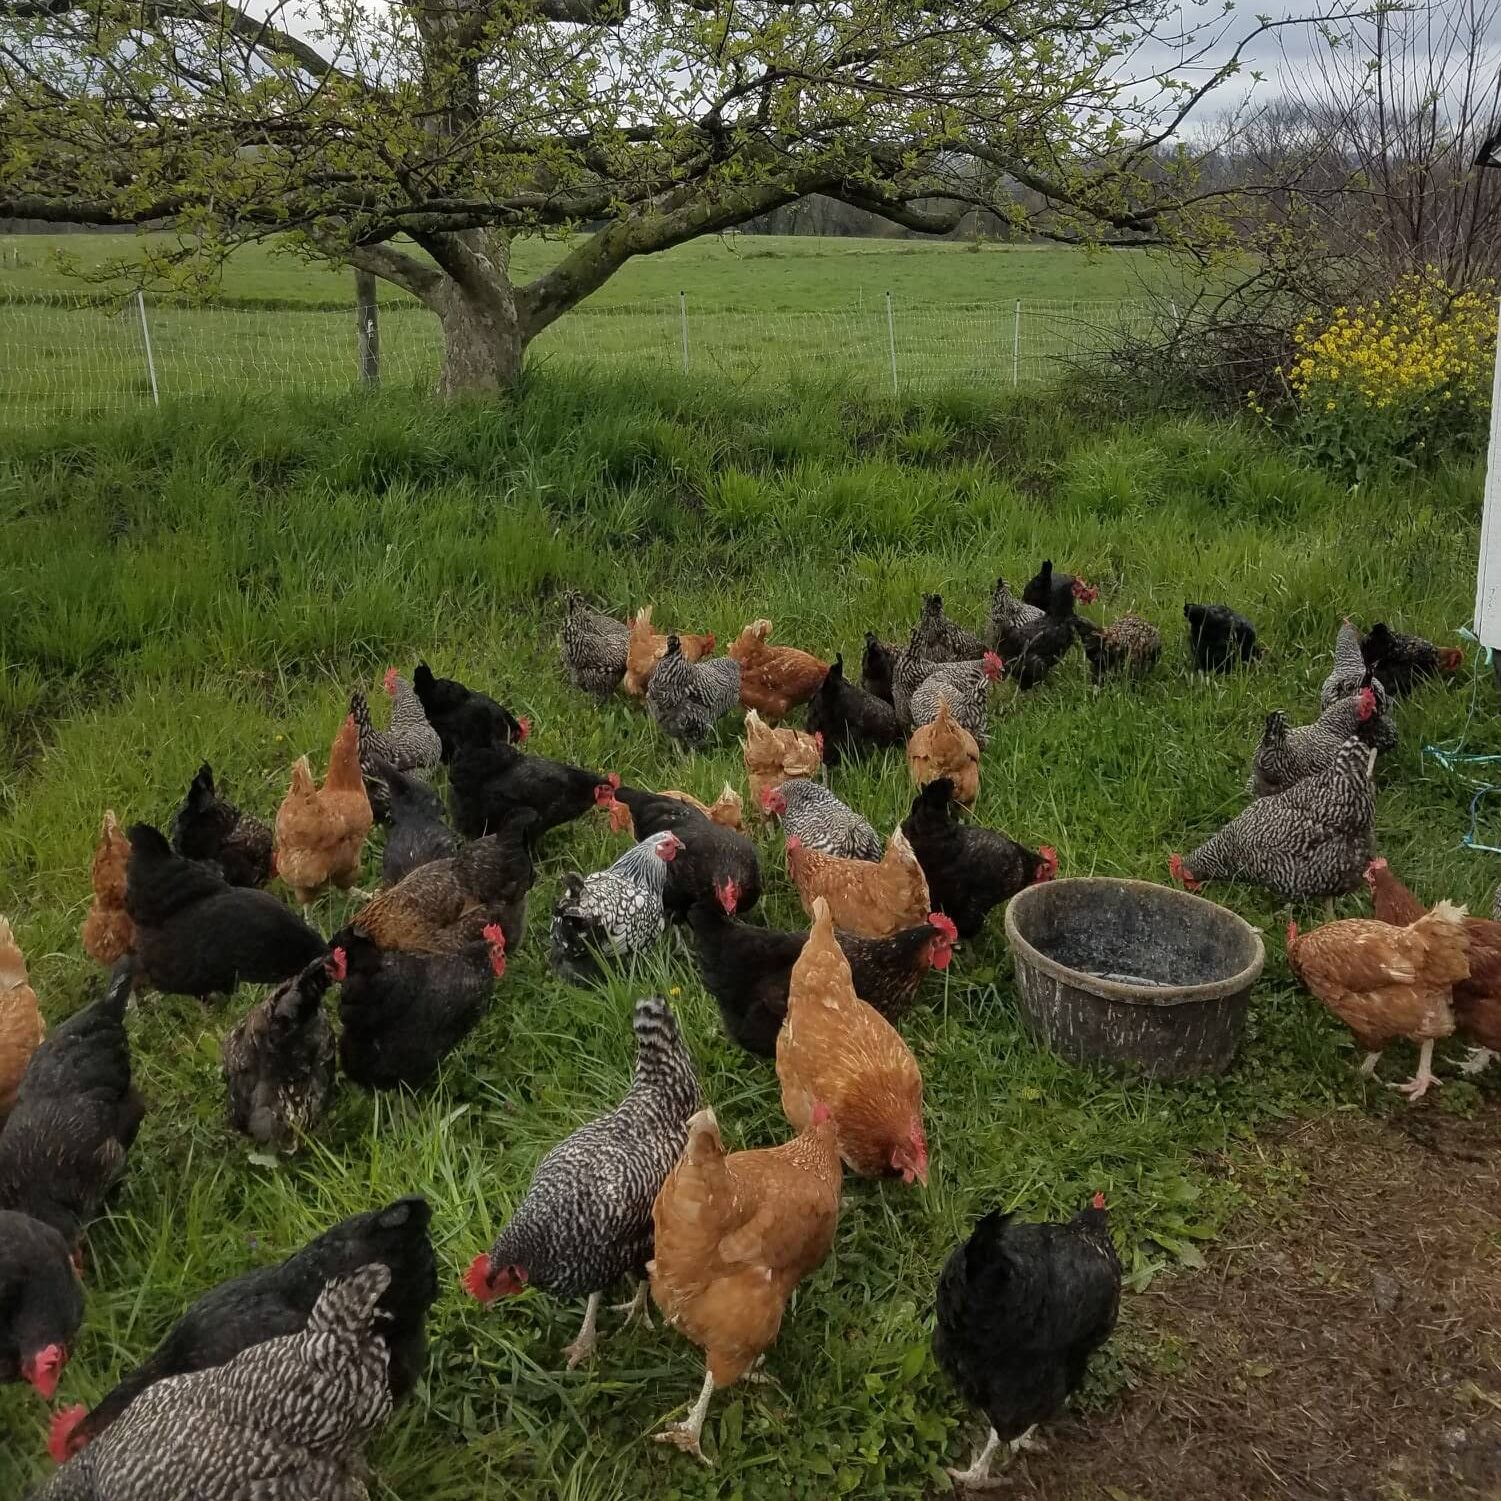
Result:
<point x="212" y="582"/>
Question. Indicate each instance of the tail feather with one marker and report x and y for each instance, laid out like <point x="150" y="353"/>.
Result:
<point x="1446" y="944"/>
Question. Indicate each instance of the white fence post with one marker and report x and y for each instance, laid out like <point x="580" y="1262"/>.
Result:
<point x="683" y="319"/>
<point x="367" y="327"/>
<point x="146" y="337"/>
<point x="891" y="344"/>
<point x="1488" y="575"/>
<point x="1016" y="344"/>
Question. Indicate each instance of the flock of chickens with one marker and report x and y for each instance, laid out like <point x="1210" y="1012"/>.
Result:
<point x="285" y="1372"/>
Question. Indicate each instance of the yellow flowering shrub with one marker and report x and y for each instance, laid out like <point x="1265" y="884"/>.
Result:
<point x="1405" y="377"/>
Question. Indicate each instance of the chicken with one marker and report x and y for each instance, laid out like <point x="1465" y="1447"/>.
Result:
<point x="969" y="869"/>
<point x="1040" y="646"/>
<point x="401" y="1015"/>
<point x="646" y="648"/>
<point x="1386" y="982"/>
<point x="964" y="688"/>
<point x="271" y="1302"/>
<point x="845" y="719"/>
<point x="21" y="1026"/>
<point x="820" y="821"/>
<point x="279" y="1061"/>
<point x="197" y="935"/>
<point x="1129" y="646"/>
<point x="873" y="899"/>
<point x="108" y="933"/>
<point x="416" y="831"/>
<point x="463" y="717"/>
<point x="489" y="784"/>
<point x="1057" y="592"/>
<point x="727" y="810"/>
<point x="688" y="699"/>
<point x="774" y="680"/>
<point x="1477" y="998"/>
<point x="209" y="828"/>
<point x="586" y="1220"/>
<point x="1314" y="840"/>
<point x="1349" y="672"/>
<point x="1021" y="1308"/>
<point x="941" y="639"/>
<point x="1401" y="662"/>
<point x="747" y="969"/>
<point x="320" y="831"/>
<point x="286" y="1418"/>
<point x="613" y="914"/>
<point x="445" y="904"/>
<point x="408" y="743"/>
<point x="75" y="1117"/>
<point x="773" y="755"/>
<point x="593" y="646"/>
<point x="945" y="751"/>
<point x="1009" y="619"/>
<point x="41" y="1303"/>
<point x="1287" y="755"/>
<point x="735" y="1234"/>
<point x="877" y="666"/>
<point x="1218" y="638"/>
<point x="835" y="1049"/>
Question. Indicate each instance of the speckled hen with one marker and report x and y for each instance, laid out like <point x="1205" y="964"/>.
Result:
<point x="689" y="698"/>
<point x="616" y="912"/>
<point x="1288" y="755"/>
<point x="593" y="646"/>
<point x="813" y="814"/>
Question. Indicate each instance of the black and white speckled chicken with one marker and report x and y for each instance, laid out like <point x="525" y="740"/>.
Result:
<point x="689" y="698"/>
<point x="586" y="1219"/>
<point x="279" y="1061"/>
<point x="810" y="811"/>
<point x="1349" y="671"/>
<point x="408" y="743"/>
<point x="1401" y="662"/>
<point x="1008" y="619"/>
<point x="1288" y="754"/>
<point x="593" y="645"/>
<point x="942" y="639"/>
<point x="1314" y="840"/>
<point x="965" y="687"/>
<point x="615" y="913"/>
<point x="1129" y="646"/>
<point x="284" y="1420"/>
<point x="207" y="827"/>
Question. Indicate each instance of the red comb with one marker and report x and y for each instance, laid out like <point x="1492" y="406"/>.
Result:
<point x="945" y="925"/>
<point x="818" y="740"/>
<point x="492" y="933"/>
<point x="477" y="1280"/>
<point x="338" y="966"/>
<point x="389" y="681"/>
<point x="60" y="1441"/>
<point x="526" y="728"/>
<point x="1098" y="1202"/>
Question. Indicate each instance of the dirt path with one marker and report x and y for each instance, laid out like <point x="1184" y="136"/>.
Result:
<point x="1348" y="1350"/>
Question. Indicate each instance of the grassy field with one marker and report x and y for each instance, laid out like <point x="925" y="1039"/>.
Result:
<point x="232" y="573"/>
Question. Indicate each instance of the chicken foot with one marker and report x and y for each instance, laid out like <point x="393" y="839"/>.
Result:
<point x="686" y="1434"/>
<point x="638" y="1308"/>
<point x="1477" y="1060"/>
<point x="588" y="1336"/>
<point x="1425" y="1079"/>
<point x="978" y="1477"/>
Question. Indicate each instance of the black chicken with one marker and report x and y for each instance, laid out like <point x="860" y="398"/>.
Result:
<point x="969" y="869"/>
<point x="1021" y="1308"/>
<point x="1218" y="638"/>
<point x="197" y="935"/>
<point x="487" y="784"/>
<point x="209" y="828"/>
<point x="877" y="666"/>
<point x="41" y="1303"/>
<point x="272" y="1301"/>
<point x="463" y="717"/>
<point x="1033" y="649"/>
<point x="711" y="854"/>
<point x="76" y="1115"/>
<point x="849" y="717"/>
<point x="1401" y="662"/>
<point x="1057" y="592"/>
<point x="416" y="831"/>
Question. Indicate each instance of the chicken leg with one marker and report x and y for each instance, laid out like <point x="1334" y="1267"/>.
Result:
<point x="686" y="1434"/>
<point x="583" y="1347"/>
<point x="977" y="1476"/>
<point x="1425" y="1079"/>
<point x="638" y="1308"/>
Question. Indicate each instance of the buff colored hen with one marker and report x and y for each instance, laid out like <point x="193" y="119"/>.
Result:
<point x="108" y="933"/>
<point x="647" y="647"/>
<point x="774" y="756"/>
<point x="944" y="748"/>
<point x="774" y="679"/>
<point x="871" y="898"/>
<point x="321" y="830"/>
<point x="21" y="1025"/>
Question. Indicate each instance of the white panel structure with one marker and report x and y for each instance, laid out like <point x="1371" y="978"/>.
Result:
<point x="1488" y="582"/>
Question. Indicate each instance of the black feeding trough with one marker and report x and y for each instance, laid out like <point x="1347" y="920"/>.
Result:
<point x="1131" y="975"/>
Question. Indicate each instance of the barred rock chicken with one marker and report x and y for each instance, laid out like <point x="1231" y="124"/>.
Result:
<point x="271" y="1302"/>
<point x="1386" y="982"/>
<point x="408" y="743"/>
<point x="209" y="828"/>
<point x="688" y="699"/>
<point x="416" y="831"/>
<point x="846" y="719"/>
<point x="41" y="1303"/>
<point x="401" y="1015"/>
<point x="773" y="755"/>
<point x="1218" y="638"/>
<point x="615" y="913"/>
<point x="964" y="688"/>
<point x="748" y="969"/>
<point x="811" y="813"/>
<point x="593" y="646"/>
<point x="1288" y="755"/>
<point x="285" y="1419"/>
<point x="586" y="1220"/>
<point x="1129" y="646"/>
<point x="969" y="869"/>
<point x="1401" y="662"/>
<point x="445" y="904"/>
<point x="1009" y="620"/>
<point x="774" y="680"/>
<point x="836" y="1050"/>
<point x="76" y="1115"/>
<point x="945" y="640"/>
<point x="711" y="852"/>
<point x="488" y="785"/>
<point x="1349" y="672"/>
<point x="945" y="750"/>
<point x="1477" y="998"/>
<point x="872" y="899"/>
<point x="21" y="1026"/>
<point x="646" y="648"/>
<point x="197" y="935"/>
<point x="464" y="717"/>
<point x="735" y="1234"/>
<point x="108" y="933"/>
<point x="1314" y="840"/>
<point x="1057" y="592"/>
<point x="1021" y="1308"/>
<point x="279" y="1061"/>
<point x="320" y="831"/>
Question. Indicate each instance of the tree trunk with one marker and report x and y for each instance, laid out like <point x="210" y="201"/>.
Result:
<point x="483" y="347"/>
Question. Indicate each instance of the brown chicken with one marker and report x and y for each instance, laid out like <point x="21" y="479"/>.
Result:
<point x="21" y="1025"/>
<point x="774" y="756"/>
<point x="646" y="648"/>
<point x="108" y="933"/>
<point x="321" y="830"/>
<point x="868" y="897"/>
<point x="945" y="748"/>
<point x="836" y="1050"/>
<point x="774" y="679"/>
<point x="734" y="1235"/>
<point x="1386" y="982"/>
<point x="1477" y="1000"/>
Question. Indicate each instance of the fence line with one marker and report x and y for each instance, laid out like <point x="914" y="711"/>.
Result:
<point x="63" y="355"/>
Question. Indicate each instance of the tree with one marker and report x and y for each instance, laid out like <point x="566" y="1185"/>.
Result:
<point x="458" y="125"/>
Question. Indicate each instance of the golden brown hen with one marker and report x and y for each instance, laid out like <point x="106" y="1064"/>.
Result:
<point x="872" y="898"/>
<point x="944" y="748"/>
<point x="321" y="830"/>
<point x="646" y="648"/>
<point x="21" y="1025"/>
<point x="774" y="756"/>
<point x="774" y="679"/>
<point x="108" y="933"/>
